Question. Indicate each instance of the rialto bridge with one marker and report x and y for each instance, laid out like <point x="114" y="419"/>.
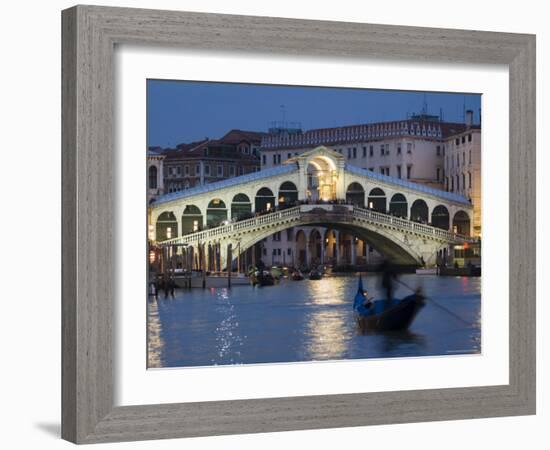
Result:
<point x="409" y="223"/>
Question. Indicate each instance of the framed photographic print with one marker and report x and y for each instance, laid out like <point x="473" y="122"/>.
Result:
<point x="276" y="224"/>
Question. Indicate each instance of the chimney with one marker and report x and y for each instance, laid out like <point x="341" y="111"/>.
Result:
<point x="469" y="118"/>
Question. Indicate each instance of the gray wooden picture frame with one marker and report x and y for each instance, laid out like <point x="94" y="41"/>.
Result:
<point x="89" y="36"/>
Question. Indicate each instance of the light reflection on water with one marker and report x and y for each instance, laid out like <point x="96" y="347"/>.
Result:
<point x="305" y="321"/>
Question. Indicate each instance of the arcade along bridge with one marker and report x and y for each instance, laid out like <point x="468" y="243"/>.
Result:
<point x="416" y="223"/>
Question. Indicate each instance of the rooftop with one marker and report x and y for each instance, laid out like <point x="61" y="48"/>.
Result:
<point x="279" y="170"/>
<point x="451" y="196"/>
<point x="421" y="126"/>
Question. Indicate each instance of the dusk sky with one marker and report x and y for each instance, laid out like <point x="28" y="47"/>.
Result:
<point x="183" y="111"/>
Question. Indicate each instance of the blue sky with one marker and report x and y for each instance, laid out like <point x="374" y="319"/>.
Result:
<point x="186" y="111"/>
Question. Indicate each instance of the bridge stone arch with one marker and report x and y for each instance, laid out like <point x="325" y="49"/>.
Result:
<point x="400" y="251"/>
<point x="401" y="248"/>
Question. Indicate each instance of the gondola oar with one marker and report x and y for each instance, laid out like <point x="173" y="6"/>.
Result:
<point x="435" y="303"/>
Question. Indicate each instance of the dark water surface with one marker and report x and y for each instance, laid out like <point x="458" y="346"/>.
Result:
<point x="306" y="321"/>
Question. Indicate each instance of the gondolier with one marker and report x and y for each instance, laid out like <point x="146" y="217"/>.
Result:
<point x="385" y="315"/>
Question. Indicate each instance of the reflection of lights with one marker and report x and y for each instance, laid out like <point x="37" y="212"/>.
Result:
<point x="327" y="327"/>
<point x="371" y="205"/>
<point x="195" y="225"/>
<point x="155" y="345"/>
<point x="268" y="206"/>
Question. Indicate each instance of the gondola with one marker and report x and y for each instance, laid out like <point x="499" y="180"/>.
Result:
<point x="263" y="278"/>
<point x="315" y="275"/>
<point x="381" y="315"/>
<point x="297" y="276"/>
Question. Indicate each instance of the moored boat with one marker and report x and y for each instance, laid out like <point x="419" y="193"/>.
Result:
<point x="296" y="276"/>
<point x="385" y="315"/>
<point x="262" y="278"/>
<point x="315" y="275"/>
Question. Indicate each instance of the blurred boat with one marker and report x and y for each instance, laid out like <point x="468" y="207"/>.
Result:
<point x="296" y="275"/>
<point x="384" y="315"/>
<point x="277" y="272"/>
<point x="315" y="275"/>
<point x="262" y="278"/>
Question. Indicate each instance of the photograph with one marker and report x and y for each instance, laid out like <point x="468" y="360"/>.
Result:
<point x="297" y="224"/>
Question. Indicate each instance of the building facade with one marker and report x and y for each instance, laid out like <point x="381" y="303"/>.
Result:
<point x="155" y="174"/>
<point x="421" y="149"/>
<point x="207" y="161"/>
<point x="462" y="167"/>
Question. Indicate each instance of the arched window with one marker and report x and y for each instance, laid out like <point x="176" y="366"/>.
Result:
<point x="241" y="207"/>
<point x="216" y="213"/>
<point x="440" y="217"/>
<point x="191" y="220"/>
<point x="377" y="200"/>
<point x="355" y="195"/>
<point x="399" y="206"/>
<point x="166" y="226"/>
<point x="461" y="223"/>
<point x="419" y="211"/>
<point x="288" y="193"/>
<point x="265" y="200"/>
<point x="153" y="172"/>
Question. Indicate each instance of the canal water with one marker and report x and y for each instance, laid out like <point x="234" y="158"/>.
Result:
<point x="306" y="321"/>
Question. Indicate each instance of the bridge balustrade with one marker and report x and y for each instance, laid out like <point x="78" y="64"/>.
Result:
<point x="362" y="213"/>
